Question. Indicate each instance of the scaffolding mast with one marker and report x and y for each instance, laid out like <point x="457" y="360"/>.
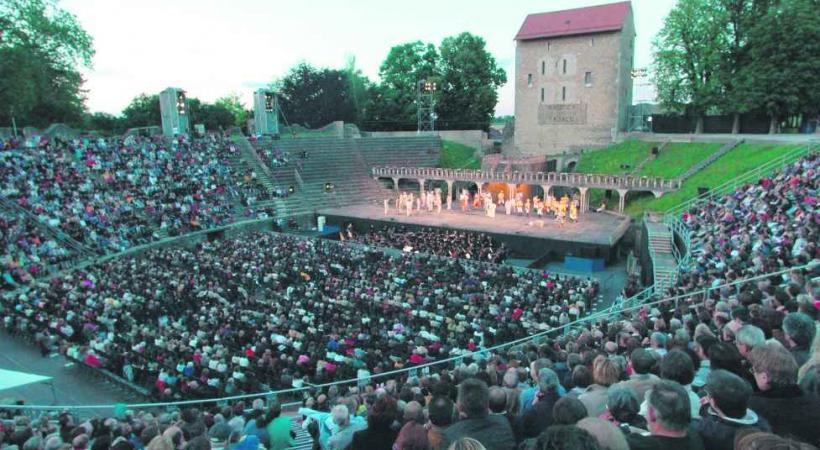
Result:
<point x="425" y="102"/>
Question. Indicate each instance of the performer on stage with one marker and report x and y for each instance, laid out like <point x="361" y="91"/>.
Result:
<point x="501" y="197"/>
<point x="437" y="200"/>
<point x="386" y="206"/>
<point x="409" y="204"/>
<point x="508" y="206"/>
<point x="573" y="212"/>
<point x="539" y="207"/>
<point x="463" y="200"/>
<point x="527" y="207"/>
<point x="476" y="201"/>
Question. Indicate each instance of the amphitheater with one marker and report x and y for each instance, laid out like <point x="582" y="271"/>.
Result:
<point x="171" y="280"/>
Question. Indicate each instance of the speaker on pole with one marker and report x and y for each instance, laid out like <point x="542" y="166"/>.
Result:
<point x="703" y="190"/>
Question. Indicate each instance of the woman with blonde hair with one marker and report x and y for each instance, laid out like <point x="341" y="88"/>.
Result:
<point x="605" y="373"/>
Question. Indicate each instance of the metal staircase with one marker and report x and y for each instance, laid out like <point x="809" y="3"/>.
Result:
<point x="661" y="249"/>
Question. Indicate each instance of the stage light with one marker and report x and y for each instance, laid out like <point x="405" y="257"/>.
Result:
<point x="181" y="103"/>
<point x="291" y="189"/>
<point x="428" y="86"/>
<point x="329" y="187"/>
<point x="268" y="101"/>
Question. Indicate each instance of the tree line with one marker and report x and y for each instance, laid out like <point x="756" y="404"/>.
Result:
<point x="740" y="56"/>
<point x="466" y="74"/>
<point x="43" y="48"/>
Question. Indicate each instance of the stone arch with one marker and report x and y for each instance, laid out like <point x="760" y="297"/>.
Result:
<point x="388" y="182"/>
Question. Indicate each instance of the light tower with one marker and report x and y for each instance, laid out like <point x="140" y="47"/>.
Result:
<point x="425" y="101"/>
<point x="265" y="112"/>
<point x="173" y="107"/>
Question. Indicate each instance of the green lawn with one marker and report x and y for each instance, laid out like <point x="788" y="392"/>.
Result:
<point x="677" y="158"/>
<point x="458" y="156"/>
<point x="609" y="160"/>
<point x="739" y="160"/>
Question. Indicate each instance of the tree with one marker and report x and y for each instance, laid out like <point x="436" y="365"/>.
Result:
<point x="393" y="100"/>
<point x="214" y="117"/>
<point x="40" y="50"/>
<point x="143" y="111"/>
<point x="470" y="82"/>
<point x="315" y="97"/>
<point x="360" y="89"/>
<point x="783" y="65"/>
<point x="688" y="57"/>
<point x="234" y="104"/>
<point x="103" y="122"/>
<point x="741" y="15"/>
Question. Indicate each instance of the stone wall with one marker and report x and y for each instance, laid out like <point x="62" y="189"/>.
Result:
<point x="476" y="139"/>
<point x="557" y="106"/>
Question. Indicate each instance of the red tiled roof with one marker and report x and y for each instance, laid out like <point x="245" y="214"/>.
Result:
<point x="593" y="19"/>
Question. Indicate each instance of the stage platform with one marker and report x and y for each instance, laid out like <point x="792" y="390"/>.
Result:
<point x="600" y="231"/>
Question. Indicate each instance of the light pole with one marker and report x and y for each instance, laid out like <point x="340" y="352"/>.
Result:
<point x="425" y="102"/>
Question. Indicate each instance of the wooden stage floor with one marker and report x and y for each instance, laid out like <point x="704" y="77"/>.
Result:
<point x="592" y="228"/>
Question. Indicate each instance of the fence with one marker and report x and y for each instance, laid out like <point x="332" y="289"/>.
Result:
<point x="629" y="305"/>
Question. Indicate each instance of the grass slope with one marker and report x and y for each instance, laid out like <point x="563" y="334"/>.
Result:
<point x="609" y="160"/>
<point x="677" y="158"/>
<point x="458" y="156"/>
<point x="739" y="160"/>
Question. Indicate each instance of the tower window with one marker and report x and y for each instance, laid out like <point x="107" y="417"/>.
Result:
<point x="563" y="93"/>
<point x="529" y="79"/>
<point x="542" y="95"/>
<point x="543" y="67"/>
<point x="588" y="78"/>
<point x="565" y="67"/>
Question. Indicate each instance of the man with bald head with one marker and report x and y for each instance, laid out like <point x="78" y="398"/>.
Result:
<point x="413" y="412"/>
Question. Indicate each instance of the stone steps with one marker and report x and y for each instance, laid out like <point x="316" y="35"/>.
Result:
<point x="346" y="163"/>
<point x="665" y="267"/>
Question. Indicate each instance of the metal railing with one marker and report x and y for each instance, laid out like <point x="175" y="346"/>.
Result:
<point x="629" y="305"/>
<point x="676" y="225"/>
<point x="655" y="184"/>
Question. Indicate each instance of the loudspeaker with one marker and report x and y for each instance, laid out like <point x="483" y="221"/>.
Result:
<point x="655" y="151"/>
<point x="702" y="190"/>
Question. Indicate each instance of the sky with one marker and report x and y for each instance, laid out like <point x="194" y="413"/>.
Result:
<point x="212" y="48"/>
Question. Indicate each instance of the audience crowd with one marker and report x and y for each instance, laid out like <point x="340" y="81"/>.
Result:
<point x="266" y="310"/>
<point x="114" y="194"/>
<point x="759" y="228"/>
<point x="735" y="367"/>
<point x="27" y="251"/>
<point x="435" y="241"/>
<point x="662" y="377"/>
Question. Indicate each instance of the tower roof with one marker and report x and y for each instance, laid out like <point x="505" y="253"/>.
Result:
<point x="592" y="19"/>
